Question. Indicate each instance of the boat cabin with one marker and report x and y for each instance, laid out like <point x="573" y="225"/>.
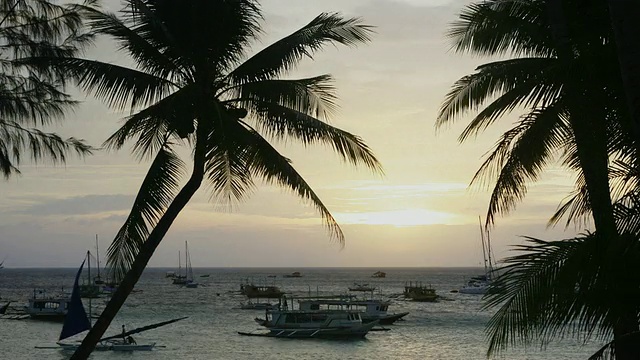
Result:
<point x="371" y="307"/>
<point x="309" y="319"/>
<point x="47" y="307"/>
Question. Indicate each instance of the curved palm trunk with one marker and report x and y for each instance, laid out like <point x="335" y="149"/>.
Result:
<point x="143" y="257"/>
<point x="591" y="145"/>
<point x="625" y="17"/>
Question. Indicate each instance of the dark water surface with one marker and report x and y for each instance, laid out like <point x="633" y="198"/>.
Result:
<point x="451" y="330"/>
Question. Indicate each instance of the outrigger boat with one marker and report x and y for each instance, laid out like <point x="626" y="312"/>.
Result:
<point x="77" y="322"/>
<point x="370" y="310"/>
<point x="309" y="324"/>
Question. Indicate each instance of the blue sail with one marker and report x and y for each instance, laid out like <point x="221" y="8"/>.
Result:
<point x="76" y="320"/>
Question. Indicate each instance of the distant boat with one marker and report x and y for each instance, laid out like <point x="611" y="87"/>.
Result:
<point x="293" y="275"/>
<point x="91" y="289"/>
<point x="190" y="283"/>
<point x="253" y="291"/>
<point x="178" y="278"/>
<point x="361" y="287"/>
<point x="379" y="274"/>
<point x="204" y="276"/>
<point x="419" y="292"/>
<point x="478" y="285"/>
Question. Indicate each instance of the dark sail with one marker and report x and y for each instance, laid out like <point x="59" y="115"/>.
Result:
<point x="76" y="320"/>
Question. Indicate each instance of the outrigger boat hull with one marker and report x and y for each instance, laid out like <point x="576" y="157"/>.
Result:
<point x="112" y="347"/>
<point x="384" y="320"/>
<point x="316" y="333"/>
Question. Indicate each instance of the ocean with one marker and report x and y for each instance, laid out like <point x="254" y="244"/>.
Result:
<point x="451" y="329"/>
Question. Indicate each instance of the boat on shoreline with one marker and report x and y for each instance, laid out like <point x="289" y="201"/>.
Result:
<point x="379" y="274"/>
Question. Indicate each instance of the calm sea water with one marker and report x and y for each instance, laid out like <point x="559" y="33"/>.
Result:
<point x="451" y="329"/>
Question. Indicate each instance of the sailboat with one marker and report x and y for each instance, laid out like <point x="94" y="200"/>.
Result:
<point x="478" y="285"/>
<point x="187" y="278"/>
<point x="98" y="280"/>
<point x="91" y="289"/>
<point x="178" y="278"/>
<point x="77" y="322"/>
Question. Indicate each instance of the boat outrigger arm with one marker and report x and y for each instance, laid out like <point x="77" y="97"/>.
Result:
<point x="144" y="328"/>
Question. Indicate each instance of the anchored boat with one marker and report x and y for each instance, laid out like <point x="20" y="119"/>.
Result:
<point x="77" y="322"/>
<point x="370" y="310"/>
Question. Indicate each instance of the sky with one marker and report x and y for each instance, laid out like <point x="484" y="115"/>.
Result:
<point x="420" y="213"/>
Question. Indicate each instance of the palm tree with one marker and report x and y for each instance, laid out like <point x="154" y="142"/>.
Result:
<point x="193" y="87"/>
<point x="624" y="16"/>
<point x="27" y="98"/>
<point x="565" y="75"/>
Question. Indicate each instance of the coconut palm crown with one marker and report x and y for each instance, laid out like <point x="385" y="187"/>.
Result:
<point x="194" y="86"/>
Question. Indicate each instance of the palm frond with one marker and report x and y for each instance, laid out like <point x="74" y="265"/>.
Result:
<point x="41" y="146"/>
<point x="520" y="156"/>
<point x="265" y="162"/>
<point x="120" y="87"/>
<point x="152" y="124"/>
<point x="575" y="207"/>
<point x="284" y="55"/>
<point x="155" y="194"/>
<point x="147" y="57"/>
<point x="529" y="82"/>
<point x="280" y="122"/>
<point x="503" y="27"/>
<point x="314" y="96"/>
<point x="545" y="292"/>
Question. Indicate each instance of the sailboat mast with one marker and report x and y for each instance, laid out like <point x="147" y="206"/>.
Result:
<point x="90" y="283"/>
<point x="484" y="251"/>
<point x="489" y="251"/>
<point x="179" y="264"/>
<point x="97" y="256"/>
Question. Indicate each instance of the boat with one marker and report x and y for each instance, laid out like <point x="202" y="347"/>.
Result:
<point x="170" y="274"/>
<point x="295" y="274"/>
<point x="370" y="310"/>
<point x="189" y="269"/>
<point x="98" y="280"/>
<point x="420" y="292"/>
<point x="306" y="324"/>
<point x="379" y="274"/>
<point x="44" y="307"/>
<point x="253" y="291"/>
<point x="77" y="322"/>
<point x="361" y="287"/>
<point x="178" y="278"/>
<point x="204" y="275"/>
<point x="91" y="289"/>
<point x="250" y="305"/>
<point x="478" y="285"/>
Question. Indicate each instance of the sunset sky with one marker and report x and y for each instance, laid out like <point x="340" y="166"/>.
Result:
<point x="421" y="212"/>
